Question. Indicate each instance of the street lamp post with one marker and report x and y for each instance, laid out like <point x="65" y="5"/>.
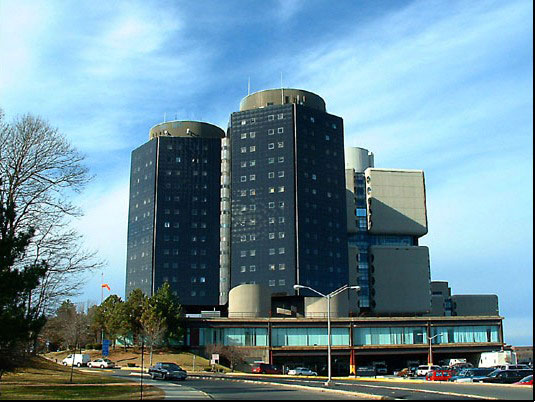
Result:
<point x="430" y="340"/>
<point x="328" y="297"/>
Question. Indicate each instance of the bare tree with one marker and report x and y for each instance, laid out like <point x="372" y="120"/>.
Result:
<point x="153" y="325"/>
<point x="40" y="172"/>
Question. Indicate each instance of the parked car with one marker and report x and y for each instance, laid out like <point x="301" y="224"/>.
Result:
<point x="301" y="371"/>
<point x="381" y="369"/>
<point x="264" y="368"/>
<point x="102" y="363"/>
<point x="512" y="367"/>
<point x="425" y="368"/>
<point x="77" y="359"/>
<point x="471" y="374"/>
<point x="525" y="381"/>
<point x="167" y="371"/>
<point x="439" y="375"/>
<point x="506" y="376"/>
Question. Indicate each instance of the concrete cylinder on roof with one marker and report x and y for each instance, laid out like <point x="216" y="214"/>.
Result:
<point x="358" y="159"/>
<point x="188" y="129"/>
<point x="249" y="300"/>
<point x="282" y="96"/>
<point x="316" y="307"/>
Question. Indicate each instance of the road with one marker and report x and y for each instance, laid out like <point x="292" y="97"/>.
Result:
<point x="274" y="387"/>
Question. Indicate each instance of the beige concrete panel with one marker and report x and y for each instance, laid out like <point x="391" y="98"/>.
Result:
<point x="191" y="129"/>
<point x="249" y="301"/>
<point x="282" y="96"/>
<point x="396" y="201"/>
<point x="475" y="305"/>
<point x="401" y="280"/>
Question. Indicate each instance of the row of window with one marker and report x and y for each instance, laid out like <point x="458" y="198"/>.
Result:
<point x="252" y="162"/>
<point x="270" y="117"/>
<point x="271" y="145"/>
<point x="362" y="336"/>
<point x="271" y="267"/>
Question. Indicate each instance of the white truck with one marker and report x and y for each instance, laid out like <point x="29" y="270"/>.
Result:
<point x="499" y="358"/>
<point x="77" y="359"/>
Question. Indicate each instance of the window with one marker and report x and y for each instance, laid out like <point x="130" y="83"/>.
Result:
<point x="271" y="145"/>
<point x="243" y="136"/>
<point x="243" y="179"/>
<point x="281" y="204"/>
<point x="281" y="159"/>
<point x="243" y="150"/>
<point x="271" y="117"/>
<point x="271" y="251"/>
<point x="281" y="173"/>
<point x="253" y="119"/>
<point x="271" y="205"/>
<point x="281" y="189"/>
<point x="252" y="268"/>
<point x="272" y="282"/>
<point x="252" y="134"/>
<point x="272" y="235"/>
<point x="271" y="220"/>
<point x="280" y="130"/>
<point x="243" y="122"/>
<point x="282" y="282"/>
<point x="272" y="267"/>
<point x="271" y="175"/>
<point x="252" y="177"/>
<point x="281" y="250"/>
<point x="271" y="131"/>
<point x="271" y="190"/>
<point x="281" y="219"/>
<point x="166" y="225"/>
<point x="252" y="148"/>
<point x="252" y="207"/>
<point x="281" y="235"/>
<point x="271" y="160"/>
<point x="280" y="116"/>
<point x="243" y="164"/>
<point x="243" y="268"/>
<point x="252" y="253"/>
<point x="252" y="191"/>
<point x="243" y="253"/>
<point x="282" y="267"/>
<point x="281" y="144"/>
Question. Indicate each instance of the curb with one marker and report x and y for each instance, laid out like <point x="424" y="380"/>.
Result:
<point x="317" y="389"/>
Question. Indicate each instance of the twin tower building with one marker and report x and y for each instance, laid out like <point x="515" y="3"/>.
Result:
<point x="275" y="201"/>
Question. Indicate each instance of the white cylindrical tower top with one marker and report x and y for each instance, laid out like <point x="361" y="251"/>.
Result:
<point x="358" y="159"/>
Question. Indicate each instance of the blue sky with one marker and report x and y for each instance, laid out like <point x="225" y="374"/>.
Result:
<point x="442" y="86"/>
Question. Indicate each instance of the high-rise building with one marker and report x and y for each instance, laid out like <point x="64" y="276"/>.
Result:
<point x="288" y="193"/>
<point x="386" y="217"/>
<point x="174" y="218"/>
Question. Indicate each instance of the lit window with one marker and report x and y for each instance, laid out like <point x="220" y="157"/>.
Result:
<point x="282" y="267"/>
<point x="272" y="267"/>
<point x="252" y="177"/>
<point x="243" y="136"/>
<point x="281" y="189"/>
<point x="271" y="190"/>
<point x="271" y="220"/>
<point x="243" y="122"/>
<point x="243" y="150"/>
<point x="281" y="235"/>
<point x="252" y="253"/>
<point x="252" y="163"/>
<point x="252" y="268"/>
<point x="252" y="148"/>
<point x="252" y="191"/>
<point x="243" y="268"/>
<point x="281" y="144"/>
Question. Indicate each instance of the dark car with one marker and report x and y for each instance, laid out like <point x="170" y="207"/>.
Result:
<point x="471" y="374"/>
<point x="506" y="376"/>
<point x="264" y="368"/>
<point x="167" y="371"/>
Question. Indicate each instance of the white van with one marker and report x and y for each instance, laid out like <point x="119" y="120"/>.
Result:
<point x="498" y="358"/>
<point x="78" y="360"/>
<point x="426" y="368"/>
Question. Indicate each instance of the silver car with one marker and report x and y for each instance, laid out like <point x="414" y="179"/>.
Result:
<point x="302" y="371"/>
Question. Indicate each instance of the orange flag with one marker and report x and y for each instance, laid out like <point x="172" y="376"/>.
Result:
<point x="105" y="285"/>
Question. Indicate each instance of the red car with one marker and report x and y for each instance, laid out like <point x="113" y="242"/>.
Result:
<point x="525" y="381"/>
<point x="264" y="368"/>
<point x="439" y="375"/>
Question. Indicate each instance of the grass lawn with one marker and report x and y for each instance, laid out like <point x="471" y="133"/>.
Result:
<point x="42" y="379"/>
<point x="133" y="356"/>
